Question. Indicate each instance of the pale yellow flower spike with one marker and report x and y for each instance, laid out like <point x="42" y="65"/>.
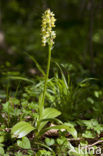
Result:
<point x="48" y="22"/>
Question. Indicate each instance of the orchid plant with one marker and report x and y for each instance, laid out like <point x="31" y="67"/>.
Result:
<point x="45" y="115"/>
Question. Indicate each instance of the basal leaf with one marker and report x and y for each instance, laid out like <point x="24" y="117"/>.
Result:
<point x="21" y="129"/>
<point x="48" y="113"/>
<point x="71" y="130"/>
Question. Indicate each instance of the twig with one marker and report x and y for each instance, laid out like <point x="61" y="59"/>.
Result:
<point x="95" y="143"/>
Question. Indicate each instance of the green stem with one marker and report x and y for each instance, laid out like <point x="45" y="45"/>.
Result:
<point x="46" y="79"/>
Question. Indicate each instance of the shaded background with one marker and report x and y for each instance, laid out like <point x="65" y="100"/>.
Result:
<point x="78" y="45"/>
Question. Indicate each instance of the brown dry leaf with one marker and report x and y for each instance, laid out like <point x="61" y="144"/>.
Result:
<point x="52" y="132"/>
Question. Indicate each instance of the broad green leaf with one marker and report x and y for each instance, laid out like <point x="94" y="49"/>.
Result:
<point x="88" y="134"/>
<point x="48" y="113"/>
<point x="62" y="141"/>
<point x="24" y="143"/>
<point x="89" y="99"/>
<point x="18" y="154"/>
<point x="21" y="129"/>
<point x="49" y="141"/>
<point x="1" y="151"/>
<point x="71" y="130"/>
<point x="97" y="94"/>
<point x="2" y="139"/>
<point x="8" y="108"/>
